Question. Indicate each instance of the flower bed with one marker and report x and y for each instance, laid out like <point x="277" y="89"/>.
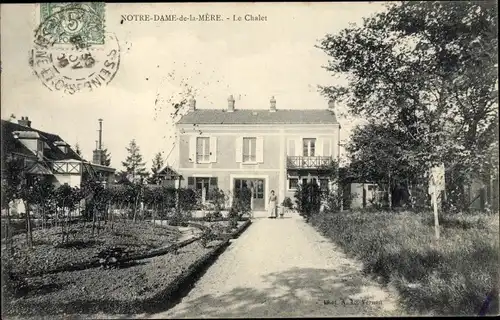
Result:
<point x="139" y="287"/>
<point x="49" y="254"/>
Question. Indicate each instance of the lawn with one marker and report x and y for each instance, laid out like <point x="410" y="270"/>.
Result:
<point x="453" y="276"/>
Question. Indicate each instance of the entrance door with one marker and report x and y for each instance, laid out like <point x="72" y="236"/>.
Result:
<point x="259" y="201"/>
<point x="257" y="188"/>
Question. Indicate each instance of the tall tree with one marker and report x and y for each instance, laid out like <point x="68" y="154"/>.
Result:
<point x="134" y="165"/>
<point x="12" y="173"/>
<point x="157" y="165"/>
<point x="429" y="70"/>
<point x="106" y="160"/>
<point x="378" y="153"/>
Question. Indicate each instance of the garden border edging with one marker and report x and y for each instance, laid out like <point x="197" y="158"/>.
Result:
<point x="138" y="256"/>
<point x="185" y="280"/>
<point x="182" y="282"/>
<point x="176" y="289"/>
<point x="242" y="228"/>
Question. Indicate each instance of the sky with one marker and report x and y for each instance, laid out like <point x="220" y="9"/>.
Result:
<point x="252" y="60"/>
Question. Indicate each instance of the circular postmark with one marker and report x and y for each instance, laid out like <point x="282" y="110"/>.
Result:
<point x="72" y="53"/>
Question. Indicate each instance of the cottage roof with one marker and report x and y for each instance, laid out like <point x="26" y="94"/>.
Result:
<point x="168" y="171"/>
<point x="12" y="145"/>
<point x="259" y="116"/>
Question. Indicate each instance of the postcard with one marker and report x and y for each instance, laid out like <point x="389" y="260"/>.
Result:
<point x="258" y="159"/>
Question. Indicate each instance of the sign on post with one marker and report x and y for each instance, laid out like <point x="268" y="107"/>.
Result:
<point x="436" y="185"/>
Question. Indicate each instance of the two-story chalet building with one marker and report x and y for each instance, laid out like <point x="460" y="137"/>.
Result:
<point x="47" y="154"/>
<point x="263" y="150"/>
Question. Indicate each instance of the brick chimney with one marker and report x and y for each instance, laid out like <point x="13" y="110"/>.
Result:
<point x="230" y="104"/>
<point x="97" y="157"/>
<point x="192" y="104"/>
<point x="24" y="122"/>
<point x="273" y="105"/>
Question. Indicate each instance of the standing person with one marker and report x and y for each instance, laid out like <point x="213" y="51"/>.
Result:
<point x="272" y="205"/>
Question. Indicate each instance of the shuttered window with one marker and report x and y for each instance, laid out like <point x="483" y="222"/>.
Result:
<point x="202" y="149"/>
<point x="309" y="146"/>
<point x="249" y="149"/>
<point x="191" y="182"/>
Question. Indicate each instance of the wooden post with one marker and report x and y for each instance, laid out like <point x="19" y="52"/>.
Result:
<point x="436" y="218"/>
<point x="177" y="197"/>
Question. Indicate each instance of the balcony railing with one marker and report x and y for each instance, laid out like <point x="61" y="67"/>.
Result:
<point x="299" y="162"/>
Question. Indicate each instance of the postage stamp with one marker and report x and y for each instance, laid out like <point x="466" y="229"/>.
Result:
<point x="71" y="51"/>
<point x="70" y="23"/>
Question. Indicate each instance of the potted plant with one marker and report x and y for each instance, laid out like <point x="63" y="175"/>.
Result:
<point x="286" y="205"/>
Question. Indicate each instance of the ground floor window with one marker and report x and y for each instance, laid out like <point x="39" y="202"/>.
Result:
<point x="306" y="180"/>
<point x="203" y="186"/>
<point x="293" y="183"/>
<point x="323" y="184"/>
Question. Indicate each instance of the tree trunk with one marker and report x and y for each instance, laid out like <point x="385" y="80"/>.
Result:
<point x="135" y="208"/>
<point x="389" y="192"/>
<point x="128" y="210"/>
<point x="64" y="220"/>
<point x="7" y="227"/>
<point x="162" y="212"/>
<point x="99" y="222"/>
<point x="43" y="217"/>
<point x="29" y="235"/>
<point x="121" y="209"/>
<point x="8" y="236"/>
<point x="93" y="221"/>
<point x="153" y="213"/>
<point x="105" y="213"/>
<point x="111" y="217"/>
<point x="410" y="196"/>
<point x="68" y="229"/>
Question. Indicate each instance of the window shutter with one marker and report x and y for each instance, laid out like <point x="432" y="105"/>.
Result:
<point x="213" y="183"/>
<point x="213" y="149"/>
<point x="319" y="147"/>
<point x="299" y="147"/>
<point x="291" y="147"/>
<point x="190" y="182"/>
<point x="192" y="149"/>
<point x="326" y="147"/>
<point x="260" y="150"/>
<point x="239" y="149"/>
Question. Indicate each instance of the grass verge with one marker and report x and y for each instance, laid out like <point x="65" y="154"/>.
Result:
<point x="453" y="276"/>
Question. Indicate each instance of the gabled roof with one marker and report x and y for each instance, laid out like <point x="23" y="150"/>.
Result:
<point x="259" y="116"/>
<point x="13" y="145"/>
<point x="168" y="171"/>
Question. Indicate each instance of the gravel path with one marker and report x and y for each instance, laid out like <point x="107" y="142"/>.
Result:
<point x="279" y="268"/>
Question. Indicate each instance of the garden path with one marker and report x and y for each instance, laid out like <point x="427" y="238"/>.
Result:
<point x="283" y="267"/>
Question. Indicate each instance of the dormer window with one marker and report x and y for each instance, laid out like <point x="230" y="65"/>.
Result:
<point x="61" y="145"/>
<point x="31" y="140"/>
<point x="40" y="145"/>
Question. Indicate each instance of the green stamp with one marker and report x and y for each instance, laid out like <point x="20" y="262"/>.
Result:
<point x="71" y="23"/>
